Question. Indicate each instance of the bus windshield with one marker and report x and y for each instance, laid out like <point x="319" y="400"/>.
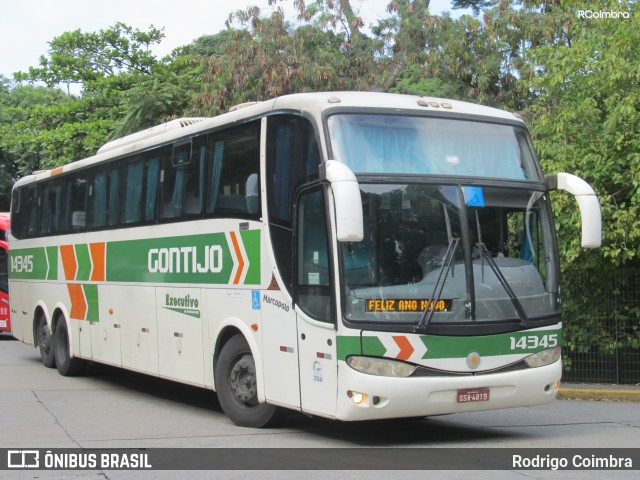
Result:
<point x="445" y="253"/>
<point x="432" y="146"/>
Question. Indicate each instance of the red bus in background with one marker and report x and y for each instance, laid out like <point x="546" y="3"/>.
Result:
<point x="5" y="321"/>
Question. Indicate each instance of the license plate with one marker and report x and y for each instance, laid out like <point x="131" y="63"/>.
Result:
<point x="473" y="395"/>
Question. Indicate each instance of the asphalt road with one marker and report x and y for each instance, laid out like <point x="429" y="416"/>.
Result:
<point x="112" y="408"/>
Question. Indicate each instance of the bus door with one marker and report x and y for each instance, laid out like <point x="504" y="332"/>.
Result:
<point x="5" y="323"/>
<point x="315" y="314"/>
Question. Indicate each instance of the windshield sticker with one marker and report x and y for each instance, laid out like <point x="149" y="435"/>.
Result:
<point x="474" y="196"/>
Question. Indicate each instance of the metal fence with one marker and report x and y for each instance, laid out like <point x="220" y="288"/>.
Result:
<point x="601" y="326"/>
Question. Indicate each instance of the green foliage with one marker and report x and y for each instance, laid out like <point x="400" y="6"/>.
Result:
<point x="586" y="121"/>
<point x="604" y="321"/>
<point x="48" y="128"/>
<point x="19" y="105"/>
<point x="269" y="58"/>
<point x="79" y="57"/>
<point x="154" y="99"/>
<point x="475" y="5"/>
<point x="124" y="88"/>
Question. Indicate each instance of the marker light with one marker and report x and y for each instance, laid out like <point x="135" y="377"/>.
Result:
<point x="545" y="357"/>
<point x="357" y="397"/>
<point x="381" y="366"/>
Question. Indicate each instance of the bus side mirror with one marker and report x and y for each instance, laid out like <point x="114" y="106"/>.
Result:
<point x="588" y="203"/>
<point x="346" y="195"/>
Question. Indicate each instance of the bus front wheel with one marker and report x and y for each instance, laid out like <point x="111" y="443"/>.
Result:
<point x="45" y="340"/>
<point x="67" y="366"/>
<point x="236" y="386"/>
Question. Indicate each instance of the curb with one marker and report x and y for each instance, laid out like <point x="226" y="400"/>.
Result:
<point x="599" y="394"/>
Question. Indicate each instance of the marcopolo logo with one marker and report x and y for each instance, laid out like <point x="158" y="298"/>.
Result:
<point x="602" y="14"/>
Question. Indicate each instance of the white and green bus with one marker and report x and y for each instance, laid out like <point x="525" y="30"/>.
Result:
<point x="347" y="255"/>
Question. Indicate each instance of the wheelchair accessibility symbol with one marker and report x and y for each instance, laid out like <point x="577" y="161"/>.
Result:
<point x="474" y="196"/>
<point x="255" y="299"/>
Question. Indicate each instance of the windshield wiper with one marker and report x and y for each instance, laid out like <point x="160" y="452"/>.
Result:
<point x="430" y="309"/>
<point x="485" y="254"/>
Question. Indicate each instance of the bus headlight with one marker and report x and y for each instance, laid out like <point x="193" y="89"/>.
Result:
<point x="381" y="366"/>
<point x="545" y="357"/>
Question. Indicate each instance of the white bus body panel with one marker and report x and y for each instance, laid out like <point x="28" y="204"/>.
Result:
<point x="280" y="352"/>
<point x="424" y="396"/>
<point x="318" y="366"/>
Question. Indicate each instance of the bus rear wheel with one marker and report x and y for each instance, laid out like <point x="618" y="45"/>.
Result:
<point x="67" y="366"/>
<point x="44" y="339"/>
<point x="236" y="386"/>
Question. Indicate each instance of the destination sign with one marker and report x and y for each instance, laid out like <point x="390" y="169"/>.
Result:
<point x="407" y="305"/>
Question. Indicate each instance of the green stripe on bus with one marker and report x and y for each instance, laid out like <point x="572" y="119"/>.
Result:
<point x="91" y="295"/>
<point x="84" y="262"/>
<point x="372" y="345"/>
<point x="251" y="240"/>
<point x="28" y="264"/>
<point x="491" y="345"/>
<point x="198" y="259"/>
<point x="348" y="346"/>
<point x="522" y="342"/>
<point x="52" y="260"/>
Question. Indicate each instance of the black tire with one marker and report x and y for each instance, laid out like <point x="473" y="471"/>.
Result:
<point x="236" y="386"/>
<point x="66" y="365"/>
<point x="44" y="341"/>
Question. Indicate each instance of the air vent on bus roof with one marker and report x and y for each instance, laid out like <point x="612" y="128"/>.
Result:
<point x="149" y="132"/>
<point x="242" y="105"/>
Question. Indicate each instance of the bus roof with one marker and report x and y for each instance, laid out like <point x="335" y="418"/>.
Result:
<point x="313" y="104"/>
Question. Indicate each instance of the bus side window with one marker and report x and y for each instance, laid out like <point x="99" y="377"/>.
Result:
<point x="234" y="161"/>
<point x="104" y="198"/>
<point x="182" y="179"/>
<point x="141" y="188"/>
<point x="16" y="208"/>
<point x="75" y="203"/>
<point x="50" y="206"/>
<point x="31" y="207"/>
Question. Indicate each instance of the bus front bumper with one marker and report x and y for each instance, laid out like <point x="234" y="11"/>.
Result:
<point x="368" y="397"/>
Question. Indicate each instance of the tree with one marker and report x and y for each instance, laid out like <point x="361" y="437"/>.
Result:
<point x="84" y="58"/>
<point x="25" y="114"/>
<point x="124" y="88"/>
<point x="155" y="99"/>
<point x="586" y="121"/>
<point x="328" y="50"/>
<point x="41" y="127"/>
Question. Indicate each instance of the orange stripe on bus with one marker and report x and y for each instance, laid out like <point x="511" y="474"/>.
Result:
<point x="97" y="258"/>
<point x="69" y="263"/>
<point x="406" y="349"/>
<point x="57" y="171"/>
<point x="236" y="247"/>
<point x="78" y="303"/>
